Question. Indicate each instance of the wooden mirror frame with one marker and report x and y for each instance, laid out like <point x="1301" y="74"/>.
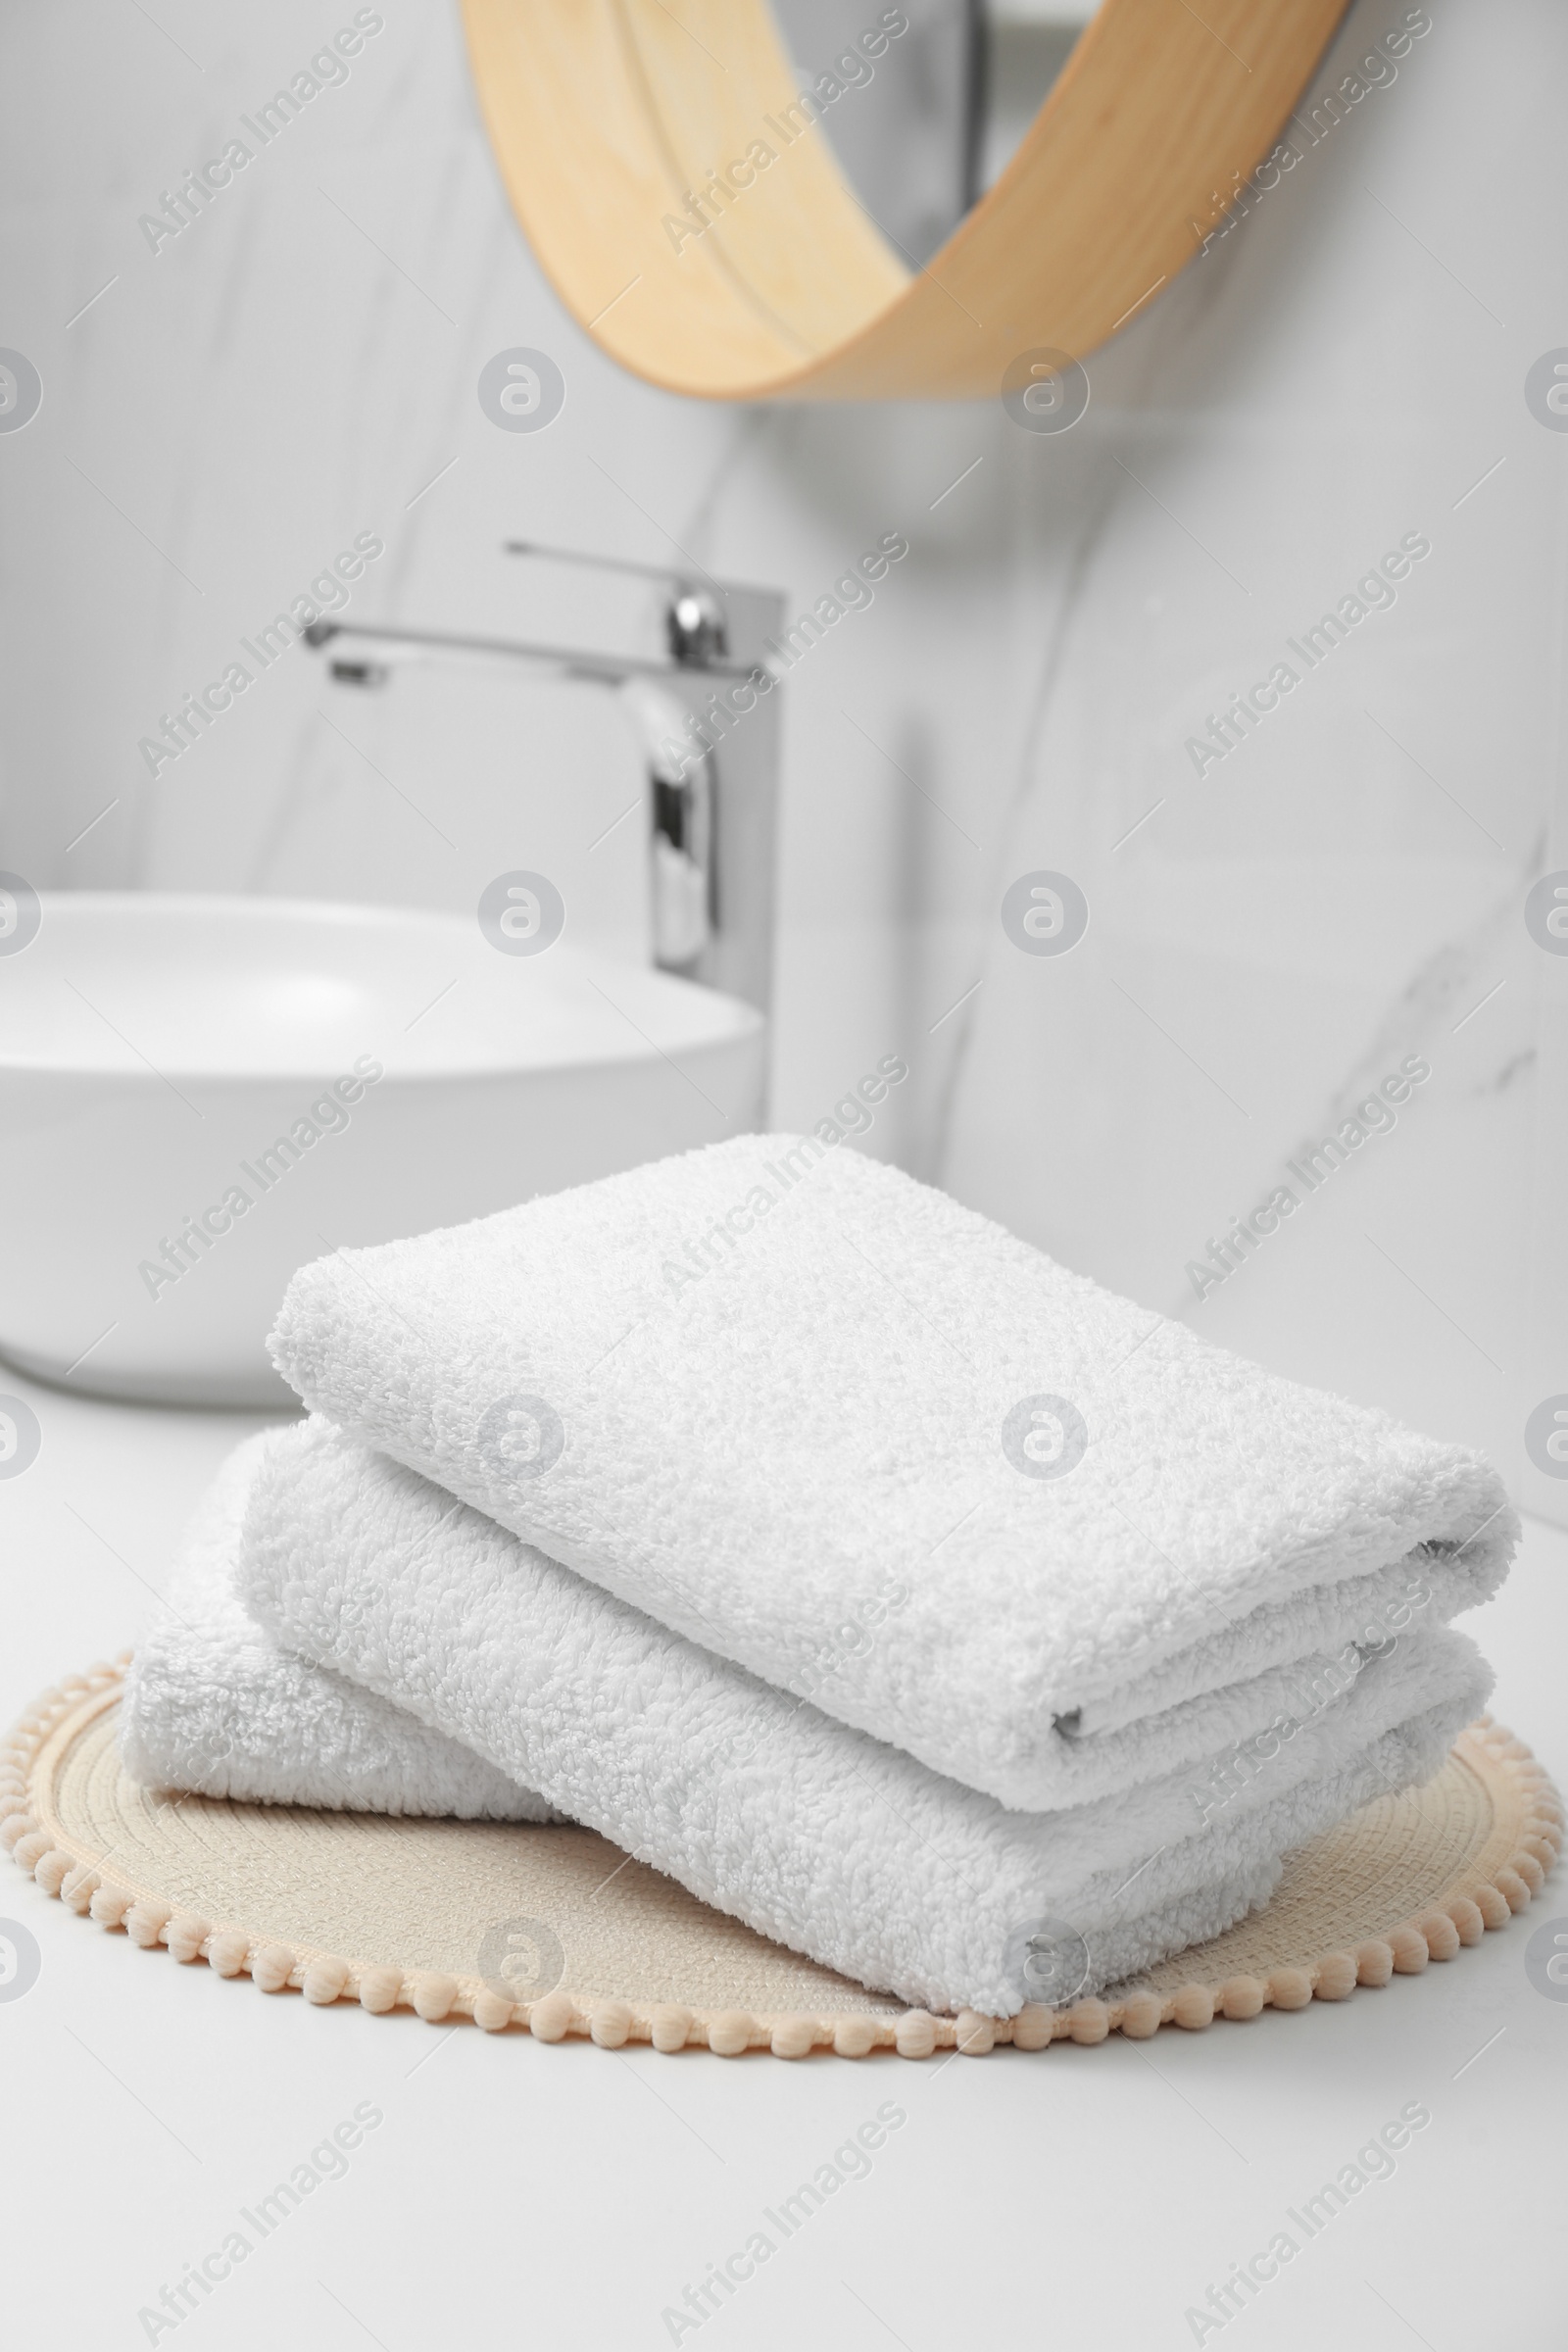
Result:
<point x="606" y="116"/>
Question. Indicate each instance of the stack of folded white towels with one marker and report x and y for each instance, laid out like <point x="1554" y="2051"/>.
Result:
<point x="936" y="1612"/>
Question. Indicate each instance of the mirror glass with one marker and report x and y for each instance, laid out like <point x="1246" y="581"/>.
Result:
<point x="923" y="103"/>
<point x="1027" y="43"/>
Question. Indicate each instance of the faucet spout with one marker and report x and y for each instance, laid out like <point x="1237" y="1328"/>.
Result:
<point x="558" y="660"/>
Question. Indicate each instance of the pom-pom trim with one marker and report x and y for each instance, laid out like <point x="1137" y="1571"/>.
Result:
<point x="1479" y="1905"/>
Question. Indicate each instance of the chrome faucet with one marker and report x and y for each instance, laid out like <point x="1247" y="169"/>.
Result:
<point x="707" y="721"/>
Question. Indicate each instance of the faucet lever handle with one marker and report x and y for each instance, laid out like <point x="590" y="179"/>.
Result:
<point x="598" y="563"/>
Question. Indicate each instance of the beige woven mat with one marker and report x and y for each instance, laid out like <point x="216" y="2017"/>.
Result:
<point x="556" y="1929"/>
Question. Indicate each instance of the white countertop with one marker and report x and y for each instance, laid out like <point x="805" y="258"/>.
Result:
<point x="521" y="2195"/>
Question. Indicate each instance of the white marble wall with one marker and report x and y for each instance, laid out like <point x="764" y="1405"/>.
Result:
<point x="1346" y="887"/>
<point x="1342" y="891"/>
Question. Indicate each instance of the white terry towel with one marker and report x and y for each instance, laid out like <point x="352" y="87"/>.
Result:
<point x="833" y="1426"/>
<point x="213" y="1707"/>
<point x="812" y="1832"/>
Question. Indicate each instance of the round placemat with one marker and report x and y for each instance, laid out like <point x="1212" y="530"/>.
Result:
<point x="553" y="1929"/>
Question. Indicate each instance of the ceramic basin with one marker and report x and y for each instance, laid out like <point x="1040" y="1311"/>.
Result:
<point x="198" y="1095"/>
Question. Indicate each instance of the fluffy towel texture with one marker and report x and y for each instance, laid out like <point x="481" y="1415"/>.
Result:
<point x="813" y="1833"/>
<point x="836" y="1428"/>
<point x="212" y="1705"/>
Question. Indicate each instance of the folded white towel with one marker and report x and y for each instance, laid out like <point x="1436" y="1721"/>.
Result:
<point x="839" y="1429"/>
<point x="213" y="1707"/>
<point x="815" y="1834"/>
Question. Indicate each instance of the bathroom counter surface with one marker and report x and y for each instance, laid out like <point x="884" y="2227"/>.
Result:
<point x="513" y="2193"/>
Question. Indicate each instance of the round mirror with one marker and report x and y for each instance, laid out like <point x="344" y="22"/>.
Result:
<point x="695" y="203"/>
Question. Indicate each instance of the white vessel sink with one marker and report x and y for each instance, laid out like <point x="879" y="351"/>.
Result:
<point x="198" y="1095"/>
